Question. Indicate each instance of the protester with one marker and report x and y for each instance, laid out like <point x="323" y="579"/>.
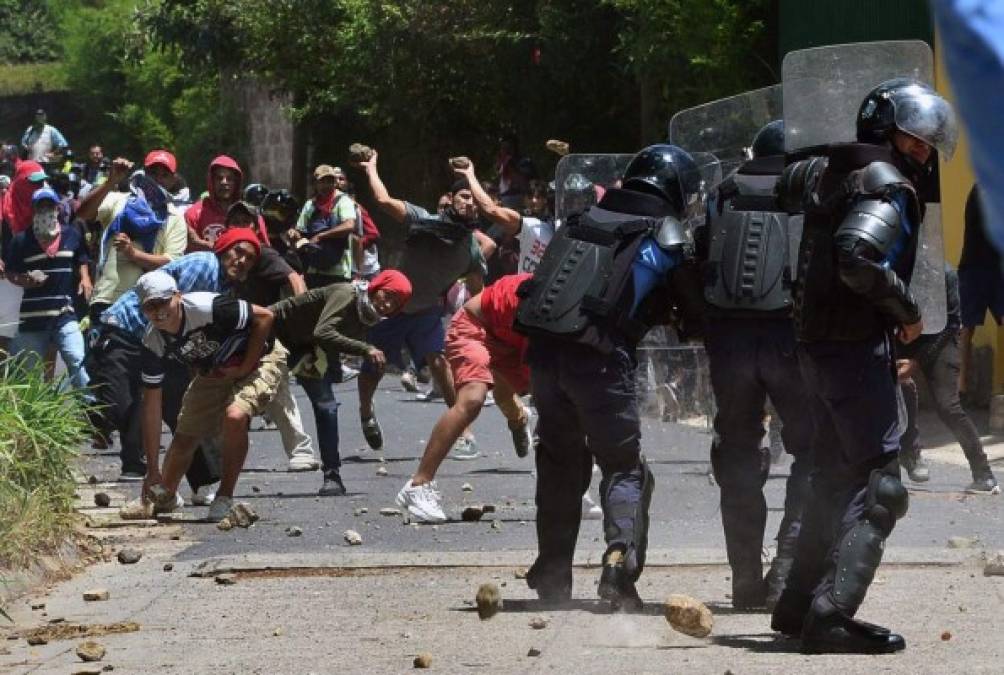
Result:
<point x="43" y="141"/>
<point x="206" y="217"/>
<point x="227" y="342"/>
<point x="438" y="250"/>
<point x="327" y="221"/>
<point x="335" y="320"/>
<point x="15" y="217"/>
<point x="44" y="261"/>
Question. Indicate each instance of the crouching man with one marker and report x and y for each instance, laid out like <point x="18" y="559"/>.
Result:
<point x="237" y="371"/>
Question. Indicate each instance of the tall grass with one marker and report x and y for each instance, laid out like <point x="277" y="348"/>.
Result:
<point x="41" y="431"/>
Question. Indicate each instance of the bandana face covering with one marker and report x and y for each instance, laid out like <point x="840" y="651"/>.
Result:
<point x="367" y="312"/>
<point x="45" y="224"/>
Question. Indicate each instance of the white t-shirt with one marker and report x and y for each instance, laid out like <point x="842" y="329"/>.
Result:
<point x="534" y="236"/>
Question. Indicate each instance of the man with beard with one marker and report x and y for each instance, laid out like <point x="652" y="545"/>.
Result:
<point x="438" y="250"/>
<point x="326" y="221"/>
<point x="206" y="218"/>
<point x="43" y="261"/>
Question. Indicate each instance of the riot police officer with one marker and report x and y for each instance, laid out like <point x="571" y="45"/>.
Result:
<point x="601" y="284"/>
<point x="852" y="302"/>
<point x="750" y="342"/>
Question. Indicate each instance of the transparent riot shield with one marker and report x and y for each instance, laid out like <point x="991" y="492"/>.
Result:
<point x="577" y="178"/>
<point x="726" y="127"/>
<point x="673" y="381"/>
<point x="823" y="90"/>
<point x="824" y="86"/>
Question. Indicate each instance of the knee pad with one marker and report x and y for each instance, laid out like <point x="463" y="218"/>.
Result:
<point x="886" y="501"/>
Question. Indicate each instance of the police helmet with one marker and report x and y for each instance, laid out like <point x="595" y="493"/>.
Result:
<point x="578" y="194"/>
<point x="667" y="171"/>
<point x="911" y="107"/>
<point x="769" y="141"/>
<point x="255" y="194"/>
<point x="279" y="208"/>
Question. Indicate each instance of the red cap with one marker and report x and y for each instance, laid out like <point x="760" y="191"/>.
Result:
<point x="162" y="157"/>
<point x="392" y="281"/>
<point x="234" y="235"/>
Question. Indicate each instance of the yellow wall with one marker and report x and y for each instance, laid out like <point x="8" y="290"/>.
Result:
<point x="956" y="181"/>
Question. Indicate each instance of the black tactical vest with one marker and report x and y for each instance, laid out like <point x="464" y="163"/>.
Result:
<point x="582" y="290"/>
<point x="825" y="308"/>
<point x="752" y="245"/>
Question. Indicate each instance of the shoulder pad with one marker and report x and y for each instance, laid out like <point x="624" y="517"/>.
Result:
<point x="875" y="221"/>
<point x="670" y="233"/>
<point x="879" y="177"/>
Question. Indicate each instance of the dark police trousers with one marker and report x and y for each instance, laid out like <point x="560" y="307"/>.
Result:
<point x="581" y="393"/>
<point x="751" y="359"/>
<point x="940" y="366"/>
<point x="854" y="409"/>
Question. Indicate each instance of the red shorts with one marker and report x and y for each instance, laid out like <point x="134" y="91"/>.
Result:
<point x="473" y="354"/>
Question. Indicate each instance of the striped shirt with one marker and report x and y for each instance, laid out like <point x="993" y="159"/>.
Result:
<point x="193" y="272"/>
<point x="49" y="306"/>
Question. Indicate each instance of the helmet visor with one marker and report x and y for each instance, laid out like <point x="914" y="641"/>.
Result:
<point x="930" y="118"/>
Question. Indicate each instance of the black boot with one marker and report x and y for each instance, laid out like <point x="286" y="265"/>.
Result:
<point x="790" y="611"/>
<point x="616" y="586"/>
<point x="749" y="591"/>
<point x="837" y="633"/>
<point x="553" y="588"/>
<point x="780" y="566"/>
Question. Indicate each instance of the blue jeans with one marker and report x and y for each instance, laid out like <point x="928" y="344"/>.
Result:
<point x="69" y="341"/>
<point x="325" y="406"/>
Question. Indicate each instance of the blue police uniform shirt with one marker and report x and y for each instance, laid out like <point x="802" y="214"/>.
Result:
<point x="650" y="267"/>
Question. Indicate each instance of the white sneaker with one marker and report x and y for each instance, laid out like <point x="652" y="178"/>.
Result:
<point x="464" y="449"/>
<point x="423" y="502"/>
<point x="409" y="382"/>
<point x="303" y="462"/>
<point x="590" y="511"/>
<point x="219" y="508"/>
<point x="489" y="400"/>
<point x="202" y="497"/>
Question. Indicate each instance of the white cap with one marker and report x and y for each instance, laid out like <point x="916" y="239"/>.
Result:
<point x="156" y="285"/>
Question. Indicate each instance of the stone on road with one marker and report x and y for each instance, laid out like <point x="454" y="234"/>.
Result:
<point x="688" y="616"/>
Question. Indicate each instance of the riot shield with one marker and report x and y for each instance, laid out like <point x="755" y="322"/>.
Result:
<point x="823" y="90"/>
<point x="577" y="173"/>
<point x="824" y="86"/>
<point x="726" y="127"/>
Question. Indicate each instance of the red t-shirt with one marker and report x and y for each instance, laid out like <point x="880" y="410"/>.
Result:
<point x="498" y="310"/>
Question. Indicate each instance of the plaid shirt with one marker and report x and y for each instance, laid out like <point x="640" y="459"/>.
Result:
<point x="193" y="272"/>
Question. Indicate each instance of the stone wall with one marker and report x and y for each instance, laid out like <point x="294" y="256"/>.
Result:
<point x="269" y="133"/>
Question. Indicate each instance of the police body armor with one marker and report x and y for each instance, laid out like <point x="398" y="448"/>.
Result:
<point x="824" y="307"/>
<point x="582" y="290"/>
<point x="750" y="244"/>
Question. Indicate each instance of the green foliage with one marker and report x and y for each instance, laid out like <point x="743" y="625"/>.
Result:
<point x="28" y="32"/>
<point x="41" y="429"/>
<point x="29" y="78"/>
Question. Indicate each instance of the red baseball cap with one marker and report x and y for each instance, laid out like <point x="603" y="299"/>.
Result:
<point x="162" y="157"/>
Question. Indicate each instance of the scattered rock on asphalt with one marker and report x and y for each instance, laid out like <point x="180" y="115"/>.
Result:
<point x="946" y="635"/>
<point x="168" y="567"/>
<point x="362" y="510"/>
<point x="496" y="524"/>
<point x="353" y="538"/>
<point x="130" y="556"/>
<point x="36" y="640"/>
<point x="995" y="565"/>
<point x="225" y="525"/>
<point x="488" y="600"/>
<point x="96" y="595"/>
<point x="533" y="652"/>
<point x="90" y="651"/>
<point x="471" y="513"/>
<point x="381" y="471"/>
<point x="688" y="616"/>
<point x="520" y="573"/>
<point x="294" y="531"/>
<point x="102" y="499"/>
<point x="38" y="605"/>
<point x="279" y="632"/>
<point x="423" y="660"/>
<point x="255" y="489"/>
<point x="94" y="670"/>
<point x="538" y="623"/>
<point x="390" y="512"/>
<point x="488" y="508"/>
<point x="963" y="542"/>
<point x="92" y="479"/>
<point x="226" y="579"/>
<point x="74" y="631"/>
<point x="242" y="515"/>
<point x="467" y="487"/>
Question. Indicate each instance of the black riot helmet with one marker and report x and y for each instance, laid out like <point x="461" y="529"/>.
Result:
<point x="911" y="107"/>
<point x="255" y="194"/>
<point x="769" y="141"/>
<point x="666" y="171"/>
<point x="279" y="209"/>
<point x="577" y="194"/>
